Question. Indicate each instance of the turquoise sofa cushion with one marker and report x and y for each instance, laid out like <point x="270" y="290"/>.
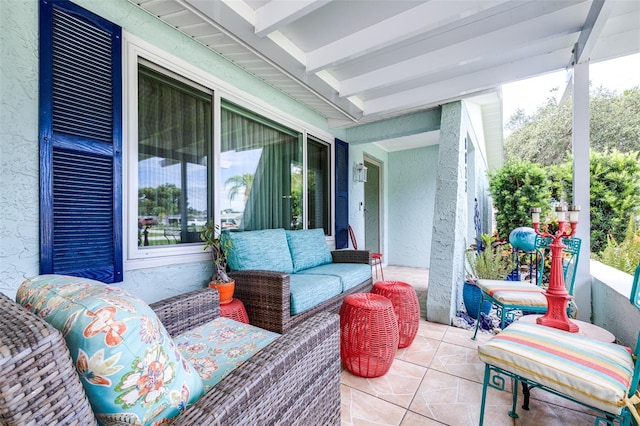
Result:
<point x="130" y="367"/>
<point x="308" y="248"/>
<point x="350" y="274"/>
<point x="216" y="348"/>
<point x="266" y="250"/>
<point x="307" y="291"/>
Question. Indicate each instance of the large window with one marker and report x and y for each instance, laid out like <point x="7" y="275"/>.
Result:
<point x="195" y="156"/>
<point x="174" y="145"/>
<point x="261" y="172"/>
<point x="318" y="184"/>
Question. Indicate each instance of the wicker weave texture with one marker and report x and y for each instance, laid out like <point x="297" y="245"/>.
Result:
<point x="39" y="385"/>
<point x="404" y="299"/>
<point x="293" y="381"/>
<point x="368" y="334"/>
<point x="266" y="297"/>
<point x="183" y="312"/>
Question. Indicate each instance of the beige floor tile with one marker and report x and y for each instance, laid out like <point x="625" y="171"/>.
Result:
<point x="432" y="330"/>
<point x="462" y="337"/>
<point x="420" y="352"/>
<point x="361" y="409"/>
<point x="397" y="386"/>
<point x="415" y="419"/>
<point x="459" y="361"/>
<point x="455" y="401"/>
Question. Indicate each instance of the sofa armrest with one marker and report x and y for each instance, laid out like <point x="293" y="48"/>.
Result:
<point x="351" y="256"/>
<point x="294" y="380"/>
<point x="185" y="311"/>
<point x="266" y="297"/>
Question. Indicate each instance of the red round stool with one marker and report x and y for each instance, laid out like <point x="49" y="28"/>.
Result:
<point x="234" y="310"/>
<point x="404" y="299"/>
<point x="368" y="334"/>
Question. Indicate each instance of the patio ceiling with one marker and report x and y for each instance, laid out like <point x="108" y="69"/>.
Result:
<point x="358" y="61"/>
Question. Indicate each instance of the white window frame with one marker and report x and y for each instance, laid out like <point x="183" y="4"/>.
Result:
<point x="136" y="49"/>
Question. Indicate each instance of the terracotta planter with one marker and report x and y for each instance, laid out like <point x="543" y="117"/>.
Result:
<point x="225" y="290"/>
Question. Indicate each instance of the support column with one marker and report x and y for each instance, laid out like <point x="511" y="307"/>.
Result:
<point x="581" y="185"/>
<point x="448" y="243"/>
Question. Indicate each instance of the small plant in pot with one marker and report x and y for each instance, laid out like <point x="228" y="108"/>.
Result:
<point x="490" y="260"/>
<point x="219" y="247"/>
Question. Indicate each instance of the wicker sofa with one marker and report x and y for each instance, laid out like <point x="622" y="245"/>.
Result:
<point x="272" y="267"/>
<point x="293" y="380"/>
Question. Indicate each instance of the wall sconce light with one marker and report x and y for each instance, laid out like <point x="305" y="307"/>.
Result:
<point x="359" y="172"/>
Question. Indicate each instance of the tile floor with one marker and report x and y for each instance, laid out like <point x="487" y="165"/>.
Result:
<point x="438" y="380"/>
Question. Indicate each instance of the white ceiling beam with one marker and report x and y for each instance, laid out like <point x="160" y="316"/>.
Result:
<point x="239" y="29"/>
<point x="402" y="28"/>
<point x="278" y="13"/>
<point x="463" y="86"/>
<point x="493" y="47"/>
<point x="593" y="26"/>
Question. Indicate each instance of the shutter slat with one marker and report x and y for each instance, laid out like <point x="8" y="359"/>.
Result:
<point x="80" y="79"/>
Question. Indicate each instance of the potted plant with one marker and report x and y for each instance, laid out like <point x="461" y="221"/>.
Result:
<point x="219" y="247"/>
<point x="489" y="259"/>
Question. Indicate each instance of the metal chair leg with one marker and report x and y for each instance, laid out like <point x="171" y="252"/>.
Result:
<point x="487" y="373"/>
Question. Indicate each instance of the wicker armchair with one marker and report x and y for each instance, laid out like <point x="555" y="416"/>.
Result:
<point x="294" y="380"/>
<point x="266" y="294"/>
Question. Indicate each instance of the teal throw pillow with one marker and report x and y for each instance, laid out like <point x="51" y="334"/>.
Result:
<point x="308" y="248"/>
<point x="266" y="250"/>
<point x="131" y="370"/>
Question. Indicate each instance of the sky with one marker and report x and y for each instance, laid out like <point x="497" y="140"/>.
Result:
<point x="616" y="74"/>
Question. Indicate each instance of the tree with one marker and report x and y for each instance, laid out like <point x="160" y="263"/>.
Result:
<point x="163" y="200"/>
<point x="515" y="188"/>
<point x="614" y="194"/>
<point x="545" y="136"/>
<point x="237" y="183"/>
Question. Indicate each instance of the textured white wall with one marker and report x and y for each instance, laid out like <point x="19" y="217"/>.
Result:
<point x="412" y="188"/>
<point x="19" y="228"/>
<point x="611" y="309"/>
<point x="19" y="171"/>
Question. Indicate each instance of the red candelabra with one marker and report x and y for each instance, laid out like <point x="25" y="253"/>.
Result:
<point x="556" y="294"/>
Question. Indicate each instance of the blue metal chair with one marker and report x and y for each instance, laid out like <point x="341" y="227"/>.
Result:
<point x="601" y="376"/>
<point x="510" y="296"/>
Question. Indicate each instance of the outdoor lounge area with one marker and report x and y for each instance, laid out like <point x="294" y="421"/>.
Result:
<point x="438" y="380"/>
<point x="294" y="154"/>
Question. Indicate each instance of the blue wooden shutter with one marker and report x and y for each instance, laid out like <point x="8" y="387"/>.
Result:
<point x="80" y="143"/>
<point x="342" y="194"/>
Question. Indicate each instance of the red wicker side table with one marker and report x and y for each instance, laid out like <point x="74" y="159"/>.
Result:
<point x="235" y="310"/>
<point x="404" y="299"/>
<point x="368" y="334"/>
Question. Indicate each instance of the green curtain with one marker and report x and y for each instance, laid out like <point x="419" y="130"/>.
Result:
<point x="269" y="204"/>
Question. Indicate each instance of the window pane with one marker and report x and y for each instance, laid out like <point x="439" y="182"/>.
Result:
<point x="174" y="139"/>
<point x="260" y="172"/>
<point x="318" y="184"/>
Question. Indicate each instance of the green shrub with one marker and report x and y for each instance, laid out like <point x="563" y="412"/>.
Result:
<point x="493" y="262"/>
<point x="515" y="188"/>
<point x="624" y="255"/>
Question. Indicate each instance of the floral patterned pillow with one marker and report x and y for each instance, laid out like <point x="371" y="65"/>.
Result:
<point x="132" y="371"/>
<point x="216" y="348"/>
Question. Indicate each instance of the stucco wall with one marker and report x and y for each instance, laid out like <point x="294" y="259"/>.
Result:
<point x="19" y="171"/>
<point x="19" y="228"/>
<point x="412" y="189"/>
<point x="451" y="220"/>
<point x="611" y="309"/>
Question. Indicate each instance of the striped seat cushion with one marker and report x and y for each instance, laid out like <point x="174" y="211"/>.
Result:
<point x="592" y="372"/>
<point x="521" y="293"/>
